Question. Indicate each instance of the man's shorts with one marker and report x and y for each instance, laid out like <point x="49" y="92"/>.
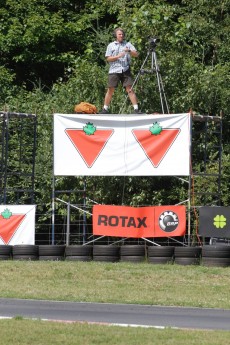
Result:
<point x="125" y="78"/>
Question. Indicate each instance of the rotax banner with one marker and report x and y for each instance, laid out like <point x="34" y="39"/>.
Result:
<point x="138" y="222"/>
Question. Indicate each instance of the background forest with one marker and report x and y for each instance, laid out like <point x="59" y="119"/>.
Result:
<point x="52" y="57"/>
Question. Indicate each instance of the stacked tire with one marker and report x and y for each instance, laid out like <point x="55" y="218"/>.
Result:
<point x="51" y="252"/>
<point x="78" y="253"/>
<point x="106" y="253"/>
<point x="132" y="253"/>
<point x="187" y="255"/>
<point x="216" y="255"/>
<point x="160" y="254"/>
<point x="25" y="252"/>
<point x="5" y="252"/>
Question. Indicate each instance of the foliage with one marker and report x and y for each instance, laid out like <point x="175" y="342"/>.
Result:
<point x="6" y="82"/>
<point x="39" y="39"/>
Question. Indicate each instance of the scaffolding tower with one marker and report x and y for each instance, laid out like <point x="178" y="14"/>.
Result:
<point x="205" y="169"/>
<point x="206" y="160"/>
<point x="17" y="157"/>
<point x="203" y="185"/>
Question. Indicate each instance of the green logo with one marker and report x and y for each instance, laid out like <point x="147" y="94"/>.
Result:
<point x="155" y="129"/>
<point x="219" y="221"/>
<point x="89" y="129"/>
<point x="6" y="214"/>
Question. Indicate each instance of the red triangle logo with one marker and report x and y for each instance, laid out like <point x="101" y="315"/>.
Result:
<point x="9" y="226"/>
<point x="89" y="146"/>
<point x="156" y="146"/>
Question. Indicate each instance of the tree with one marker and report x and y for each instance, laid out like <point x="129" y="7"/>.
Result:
<point x="39" y="39"/>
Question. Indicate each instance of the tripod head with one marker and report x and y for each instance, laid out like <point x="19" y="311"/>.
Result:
<point x="153" y="42"/>
<point x="152" y="45"/>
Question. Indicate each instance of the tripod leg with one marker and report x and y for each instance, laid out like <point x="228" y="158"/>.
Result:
<point x="160" y="84"/>
<point x="135" y="80"/>
<point x="140" y="70"/>
<point x="154" y="57"/>
<point x="162" y="87"/>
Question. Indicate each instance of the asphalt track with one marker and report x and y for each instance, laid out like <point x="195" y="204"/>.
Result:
<point x="117" y="314"/>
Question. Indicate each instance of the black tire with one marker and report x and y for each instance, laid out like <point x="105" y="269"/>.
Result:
<point x="161" y="251"/>
<point x="133" y="258"/>
<point x="132" y="250"/>
<point x="51" y="257"/>
<point x="157" y="260"/>
<point x="186" y="261"/>
<point x="49" y="250"/>
<point x="216" y="251"/>
<point x="25" y="249"/>
<point x="78" y="250"/>
<point x="5" y="249"/>
<point x="187" y="252"/>
<point x="216" y="262"/>
<point x="100" y="250"/>
<point x="5" y="257"/>
<point x="25" y="257"/>
<point x="78" y="258"/>
<point x="106" y="258"/>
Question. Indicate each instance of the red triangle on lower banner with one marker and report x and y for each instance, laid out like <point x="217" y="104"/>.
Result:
<point x="9" y="226"/>
<point x="89" y="146"/>
<point x="156" y="146"/>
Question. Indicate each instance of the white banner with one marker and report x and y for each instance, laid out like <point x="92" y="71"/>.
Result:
<point x="17" y="224"/>
<point x="121" y="145"/>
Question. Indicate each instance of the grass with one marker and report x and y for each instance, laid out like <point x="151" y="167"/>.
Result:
<point x="139" y="283"/>
<point x="30" y="332"/>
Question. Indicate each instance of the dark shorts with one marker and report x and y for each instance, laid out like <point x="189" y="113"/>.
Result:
<point x="125" y="78"/>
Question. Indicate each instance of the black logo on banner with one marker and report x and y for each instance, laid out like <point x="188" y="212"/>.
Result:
<point x="168" y="221"/>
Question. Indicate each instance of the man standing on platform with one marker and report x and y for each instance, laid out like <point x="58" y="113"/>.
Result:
<point x="119" y="54"/>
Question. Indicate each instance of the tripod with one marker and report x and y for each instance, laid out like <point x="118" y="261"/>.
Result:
<point x="154" y="69"/>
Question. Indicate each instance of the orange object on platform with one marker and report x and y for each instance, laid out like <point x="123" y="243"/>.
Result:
<point x="85" y="108"/>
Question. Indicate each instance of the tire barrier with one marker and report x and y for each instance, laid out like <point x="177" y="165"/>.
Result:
<point x="216" y="255"/>
<point x="187" y="255"/>
<point x="132" y="253"/>
<point x="160" y="255"/>
<point x="51" y="252"/>
<point x="5" y="252"/>
<point x="106" y="253"/>
<point x="207" y="255"/>
<point x="78" y="253"/>
<point x="25" y="252"/>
